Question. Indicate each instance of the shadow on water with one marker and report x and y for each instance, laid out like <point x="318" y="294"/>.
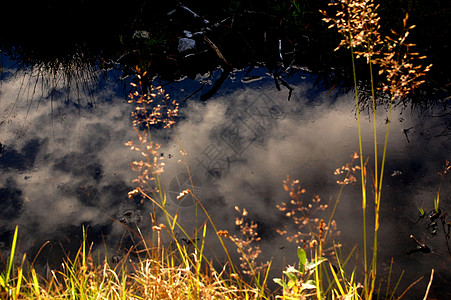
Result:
<point x="64" y="123"/>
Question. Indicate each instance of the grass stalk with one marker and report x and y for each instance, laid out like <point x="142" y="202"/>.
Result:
<point x="317" y="278"/>
<point x="373" y="100"/>
<point x="362" y="167"/>
<point x="19" y="281"/>
<point x="10" y="268"/>
<point x="397" y="284"/>
<point x="409" y="287"/>
<point x="35" y="284"/>
<point x="389" y="277"/>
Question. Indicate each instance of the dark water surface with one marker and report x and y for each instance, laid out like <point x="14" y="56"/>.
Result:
<point x="64" y="164"/>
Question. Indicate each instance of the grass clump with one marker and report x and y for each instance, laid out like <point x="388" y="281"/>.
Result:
<point x="156" y="275"/>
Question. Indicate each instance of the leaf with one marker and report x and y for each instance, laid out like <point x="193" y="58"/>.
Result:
<point x="280" y="282"/>
<point x="313" y="264"/>
<point x="291" y="269"/>
<point x="309" y="284"/>
<point x="421" y="211"/>
<point x="337" y="281"/>
<point x="35" y="283"/>
<point x="302" y="259"/>
<point x="19" y="281"/>
<point x="436" y="201"/>
<point x="291" y="276"/>
<point x="11" y="258"/>
<point x="291" y="284"/>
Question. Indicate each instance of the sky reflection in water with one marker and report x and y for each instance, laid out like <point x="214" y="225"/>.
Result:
<point x="61" y="166"/>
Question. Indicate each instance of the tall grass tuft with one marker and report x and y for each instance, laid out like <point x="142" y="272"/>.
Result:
<point x="358" y="22"/>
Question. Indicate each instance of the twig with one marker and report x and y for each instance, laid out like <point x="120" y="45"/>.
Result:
<point x="276" y="82"/>
<point x="429" y="285"/>
<point x="422" y="246"/>
<point x="217" y="51"/>
<point x="284" y="83"/>
<point x="410" y="286"/>
<point x="280" y="52"/>
<point x="218" y="83"/>
<point x="195" y="92"/>
<point x="406" y="132"/>
<point x="206" y="22"/>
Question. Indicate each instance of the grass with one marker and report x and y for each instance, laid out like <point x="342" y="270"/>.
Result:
<point x="176" y="270"/>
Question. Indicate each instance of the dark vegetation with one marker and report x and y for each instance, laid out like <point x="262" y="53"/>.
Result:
<point x="105" y="35"/>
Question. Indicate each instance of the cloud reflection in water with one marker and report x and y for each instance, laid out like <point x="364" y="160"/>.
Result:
<point x="71" y="167"/>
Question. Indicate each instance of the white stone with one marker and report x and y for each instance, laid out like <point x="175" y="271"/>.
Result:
<point x="186" y="44"/>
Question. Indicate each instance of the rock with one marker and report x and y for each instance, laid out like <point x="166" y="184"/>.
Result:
<point x="186" y="44"/>
<point x="141" y="34"/>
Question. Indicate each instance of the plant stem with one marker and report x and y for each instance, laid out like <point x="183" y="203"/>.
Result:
<point x="378" y="197"/>
<point x="362" y="166"/>
<point x="377" y="183"/>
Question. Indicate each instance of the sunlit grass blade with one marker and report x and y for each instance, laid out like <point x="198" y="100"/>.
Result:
<point x="317" y="279"/>
<point x="19" y="282"/>
<point x="337" y="282"/>
<point x="19" y="277"/>
<point x="10" y="268"/>
<point x="437" y="201"/>
<point x="35" y="284"/>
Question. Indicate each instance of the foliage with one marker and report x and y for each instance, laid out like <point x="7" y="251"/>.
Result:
<point x="298" y="283"/>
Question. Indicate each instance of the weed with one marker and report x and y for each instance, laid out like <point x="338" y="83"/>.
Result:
<point x="298" y="283"/>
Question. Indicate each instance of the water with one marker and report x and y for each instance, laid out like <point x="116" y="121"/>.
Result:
<point x="64" y="164"/>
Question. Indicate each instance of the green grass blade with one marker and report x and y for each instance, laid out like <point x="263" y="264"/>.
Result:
<point x="11" y="258"/>
<point x="389" y="277"/>
<point x="317" y="281"/>
<point x="437" y="201"/>
<point x="396" y="286"/>
<point x="265" y="279"/>
<point x="2" y="282"/>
